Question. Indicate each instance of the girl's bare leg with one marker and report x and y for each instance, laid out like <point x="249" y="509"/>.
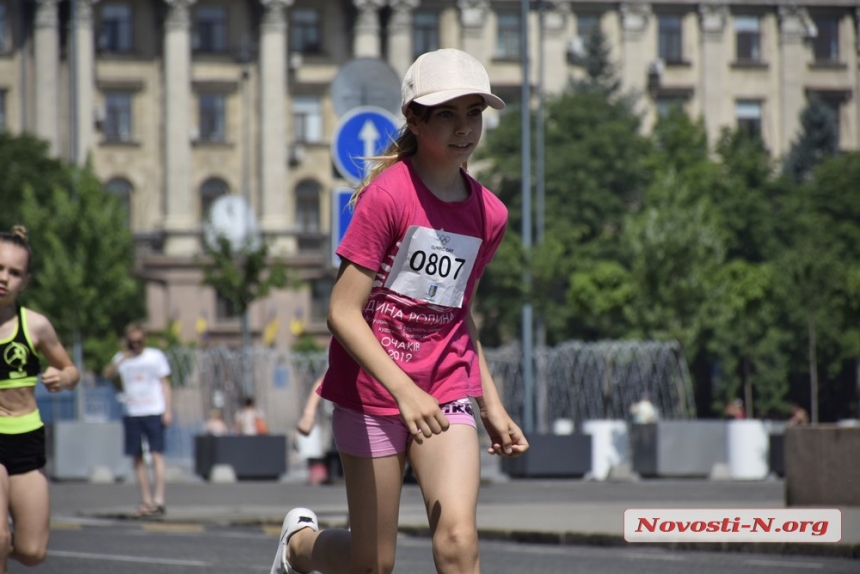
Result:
<point x="373" y="494"/>
<point x="448" y="469"/>
<point x="30" y="506"/>
<point x="5" y="533"/>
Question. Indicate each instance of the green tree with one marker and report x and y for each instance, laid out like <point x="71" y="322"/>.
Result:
<point x="677" y="245"/>
<point x="242" y="275"/>
<point x="84" y="276"/>
<point x="818" y="256"/>
<point x="24" y="161"/>
<point x="818" y="139"/>
<point x="743" y="314"/>
<point x="595" y="171"/>
<point x="600" y="72"/>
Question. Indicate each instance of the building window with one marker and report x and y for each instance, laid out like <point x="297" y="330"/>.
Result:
<point x="320" y="296"/>
<point x="425" y="32"/>
<point x="210" y="30"/>
<point x="307" y="119"/>
<point x="670" y="38"/>
<point x="117" y="123"/>
<point x="826" y="43"/>
<point x="305" y="31"/>
<point x="212" y="189"/>
<point x="665" y="105"/>
<point x="748" y="38"/>
<point x="308" y="206"/>
<point x="122" y="189"/>
<point x="2" y="111"/>
<point x="748" y="115"/>
<point x="224" y="308"/>
<point x="5" y="29"/>
<point x="586" y="24"/>
<point x="508" y="36"/>
<point x="213" y="120"/>
<point x="115" y="31"/>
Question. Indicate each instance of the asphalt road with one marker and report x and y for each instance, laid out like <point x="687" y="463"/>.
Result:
<point x="111" y="546"/>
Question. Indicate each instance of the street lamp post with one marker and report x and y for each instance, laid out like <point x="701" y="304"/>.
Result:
<point x="525" y="119"/>
<point x="539" y="215"/>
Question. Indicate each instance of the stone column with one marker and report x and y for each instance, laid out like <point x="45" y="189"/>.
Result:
<point x="278" y="203"/>
<point x="555" y="24"/>
<point x="181" y="218"/>
<point x="400" y="34"/>
<point x="712" y="67"/>
<point x="82" y="28"/>
<point x="47" y="57"/>
<point x="473" y="19"/>
<point x="794" y="27"/>
<point x="636" y="55"/>
<point x="366" y="40"/>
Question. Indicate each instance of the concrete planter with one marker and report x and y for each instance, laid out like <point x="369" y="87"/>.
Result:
<point x="678" y="449"/>
<point x="822" y="466"/>
<point x="551" y="456"/>
<point x="262" y="457"/>
<point x="75" y="449"/>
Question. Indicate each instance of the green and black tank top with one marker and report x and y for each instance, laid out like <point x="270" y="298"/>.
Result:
<point x="19" y="363"/>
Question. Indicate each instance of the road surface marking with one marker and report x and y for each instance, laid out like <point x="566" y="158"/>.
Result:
<point x="125" y="558"/>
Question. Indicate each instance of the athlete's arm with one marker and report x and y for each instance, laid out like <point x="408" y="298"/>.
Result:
<point x="506" y="437"/>
<point x="61" y="375"/>
<point x="167" y="417"/>
<point x="419" y="410"/>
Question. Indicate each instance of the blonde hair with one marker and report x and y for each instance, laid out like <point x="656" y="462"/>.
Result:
<point x="18" y="236"/>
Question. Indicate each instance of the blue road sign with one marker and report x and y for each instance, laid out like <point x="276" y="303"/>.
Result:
<point x="361" y="132"/>
<point x="341" y="215"/>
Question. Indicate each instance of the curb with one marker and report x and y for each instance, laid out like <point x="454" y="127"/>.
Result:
<point x="850" y="551"/>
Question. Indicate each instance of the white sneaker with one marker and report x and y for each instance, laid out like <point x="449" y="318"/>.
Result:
<point x="297" y="519"/>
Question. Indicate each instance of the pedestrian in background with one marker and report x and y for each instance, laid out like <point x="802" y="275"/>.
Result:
<point x="643" y="411"/>
<point x="25" y="334"/>
<point x="405" y="360"/>
<point x="249" y="420"/>
<point x="144" y="375"/>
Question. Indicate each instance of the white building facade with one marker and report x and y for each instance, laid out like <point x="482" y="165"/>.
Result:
<point x="178" y="102"/>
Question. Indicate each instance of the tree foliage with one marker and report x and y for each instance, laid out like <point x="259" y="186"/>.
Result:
<point x="664" y="237"/>
<point x="817" y="140"/>
<point x="241" y="275"/>
<point x="83" y="277"/>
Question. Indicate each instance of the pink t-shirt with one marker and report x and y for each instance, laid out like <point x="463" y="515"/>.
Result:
<point x="427" y="254"/>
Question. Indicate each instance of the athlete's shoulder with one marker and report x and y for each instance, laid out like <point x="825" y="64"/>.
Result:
<point x="392" y="179"/>
<point x="495" y="208"/>
<point x="35" y="321"/>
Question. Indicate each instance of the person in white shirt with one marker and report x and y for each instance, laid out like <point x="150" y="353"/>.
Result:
<point x="145" y="376"/>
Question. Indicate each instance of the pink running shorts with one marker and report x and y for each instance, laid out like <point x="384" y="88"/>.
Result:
<point x="363" y="435"/>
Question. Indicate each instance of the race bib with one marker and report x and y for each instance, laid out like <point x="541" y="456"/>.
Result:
<point x="433" y="266"/>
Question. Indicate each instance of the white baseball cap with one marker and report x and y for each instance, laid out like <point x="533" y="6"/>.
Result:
<point x="440" y="76"/>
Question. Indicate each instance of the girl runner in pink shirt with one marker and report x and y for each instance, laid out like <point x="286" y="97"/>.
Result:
<point x="405" y="360"/>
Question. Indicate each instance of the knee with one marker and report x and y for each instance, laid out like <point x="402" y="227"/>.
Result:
<point x="29" y="554"/>
<point x="456" y="544"/>
<point x="375" y="565"/>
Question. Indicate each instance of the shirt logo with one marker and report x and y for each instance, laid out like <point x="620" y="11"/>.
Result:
<point x="16" y="356"/>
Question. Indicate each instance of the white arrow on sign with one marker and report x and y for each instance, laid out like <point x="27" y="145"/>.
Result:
<point x="369" y="135"/>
